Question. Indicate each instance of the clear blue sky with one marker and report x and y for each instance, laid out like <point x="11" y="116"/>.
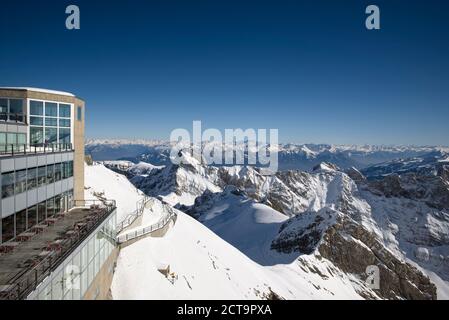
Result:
<point x="308" y="68"/>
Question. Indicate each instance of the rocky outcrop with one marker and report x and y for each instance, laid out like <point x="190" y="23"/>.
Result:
<point x="351" y="248"/>
<point x="355" y="175"/>
<point x="434" y="190"/>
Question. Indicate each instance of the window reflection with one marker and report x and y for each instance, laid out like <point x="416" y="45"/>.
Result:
<point x="50" y="123"/>
<point x="23" y="180"/>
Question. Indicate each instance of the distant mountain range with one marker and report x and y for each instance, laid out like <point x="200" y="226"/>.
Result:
<point x="431" y="163"/>
<point x="291" y="156"/>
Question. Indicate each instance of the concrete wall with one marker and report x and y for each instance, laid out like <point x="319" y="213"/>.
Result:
<point x="78" y="161"/>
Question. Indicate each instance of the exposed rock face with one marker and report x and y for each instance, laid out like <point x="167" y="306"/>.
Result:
<point x="355" y="175"/>
<point x="431" y="189"/>
<point x="190" y="177"/>
<point x="303" y="233"/>
<point x="443" y="172"/>
<point x="352" y="249"/>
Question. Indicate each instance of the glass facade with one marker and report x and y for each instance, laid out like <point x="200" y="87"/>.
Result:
<point x="21" y="221"/>
<point x="37" y="108"/>
<point x="73" y="279"/>
<point x="8" y="184"/>
<point x="12" y="110"/>
<point x="12" y="138"/>
<point x="12" y="141"/>
<point x="14" y="183"/>
<point x="50" y="123"/>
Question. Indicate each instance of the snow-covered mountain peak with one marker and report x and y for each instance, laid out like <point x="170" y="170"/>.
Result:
<point x="325" y="166"/>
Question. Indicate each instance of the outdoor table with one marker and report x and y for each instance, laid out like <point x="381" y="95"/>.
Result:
<point x="80" y="224"/>
<point x="51" y="220"/>
<point x="55" y="245"/>
<point x="6" y="287"/>
<point x="8" y="246"/>
<point x="44" y="253"/>
<point x="25" y="236"/>
<point x="40" y="227"/>
<point x="61" y="214"/>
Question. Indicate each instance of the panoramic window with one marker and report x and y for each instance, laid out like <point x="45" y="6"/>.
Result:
<point x="64" y="123"/>
<point x="21" y="138"/>
<point x="11" y="110"/>
<point x="50" y="207"/>
<point x="65" y="170"/>
<point x="51" y="109"/>
<point x="50" y="173"/>
<point x="32" y="216"/>
<point x="21" y="181"/>
<point x="79" y="114"/>
<point x="36" y="136"/>
<point x="41" y="211"/>
<point x="36" y="121"/>
<point x="7" y="184"/>
<point x="11" y="138"/>
<point x="70" y="169"/>
<point x="64" y="110"/>
<point x="2" y="139"/>
<point x="58" y="173"/>
<point x="52" y="122"/>
<point x="51" y="135"/>
<point x="31" y="178"/>
<point x="41" y="176"/>
<point x="64" y="135"/>
<point x="3" y="109"/>
<point x="8" y="228"/>
<point x="16" y="110"/>
<point x="21" y="221"/>
<point x="36" y="108"/>
<point x="58" y="203"/>
<point x="17" y="223"/>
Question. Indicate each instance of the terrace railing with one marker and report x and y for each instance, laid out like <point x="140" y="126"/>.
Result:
<point x="130" y="218"/>
<point x="13" y="117"/>
<point x="24" y="149"/>
<point x="147" y="230"/>
<point x="23" y="283"/>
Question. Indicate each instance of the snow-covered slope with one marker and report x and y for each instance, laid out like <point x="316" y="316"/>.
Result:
<point x="327" y="189"/>
<point x="207" y="267"/>
<point x="247" y="225"/>
<point x="343" y="231"/>
<point x="323" y="228"/>
<point x="102" y="183"/>
<point x="178" y="183"/>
